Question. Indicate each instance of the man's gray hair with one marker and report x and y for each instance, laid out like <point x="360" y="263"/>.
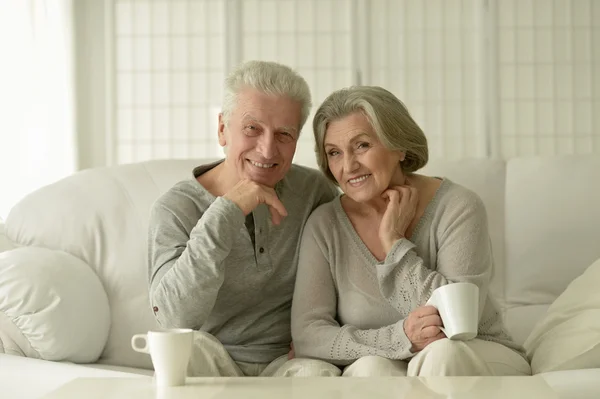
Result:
<point x="270" y="78"/>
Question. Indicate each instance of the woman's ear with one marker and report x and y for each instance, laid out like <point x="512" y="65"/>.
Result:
<point x="402" y="156"/>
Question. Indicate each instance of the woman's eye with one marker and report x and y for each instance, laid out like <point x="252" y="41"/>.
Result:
<point x="363" y="145"/>
<point x="332" y="153"/>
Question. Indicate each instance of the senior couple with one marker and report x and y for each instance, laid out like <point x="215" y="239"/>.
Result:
<point x="281" y="274"/>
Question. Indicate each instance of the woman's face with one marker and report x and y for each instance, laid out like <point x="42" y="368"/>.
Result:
<point x="362" y="166"/>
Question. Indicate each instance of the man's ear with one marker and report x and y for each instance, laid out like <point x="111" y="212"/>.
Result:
<point x="221" y="131"/>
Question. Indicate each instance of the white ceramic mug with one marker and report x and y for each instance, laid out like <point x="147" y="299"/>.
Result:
<point x="458" y="306"/>
<point x="170" y="350"/>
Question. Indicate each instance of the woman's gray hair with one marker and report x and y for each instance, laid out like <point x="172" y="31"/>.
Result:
<point x="270" y="78"/>
<point x="388" y="116"/>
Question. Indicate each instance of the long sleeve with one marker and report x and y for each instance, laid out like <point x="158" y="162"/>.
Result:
<point x="463" y="255"/>
<point x="315" y="330"/>
<point x="187" y="270"/>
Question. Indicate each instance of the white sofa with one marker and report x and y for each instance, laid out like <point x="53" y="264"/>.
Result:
<point x="73" y="279"/>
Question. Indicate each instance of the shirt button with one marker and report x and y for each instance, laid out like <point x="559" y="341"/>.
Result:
<point x="155" y="309"/>
<point x="261" y="250"/>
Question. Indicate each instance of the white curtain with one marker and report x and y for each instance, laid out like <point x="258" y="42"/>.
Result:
<point x="37" y="96"/>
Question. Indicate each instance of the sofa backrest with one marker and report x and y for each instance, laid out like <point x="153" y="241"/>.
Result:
<point x="101" y="216"/>
<point x="552" y="232"/>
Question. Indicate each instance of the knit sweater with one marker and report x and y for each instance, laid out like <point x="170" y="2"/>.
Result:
<point x="348" y="305"/>
<point x="213" y="269"/>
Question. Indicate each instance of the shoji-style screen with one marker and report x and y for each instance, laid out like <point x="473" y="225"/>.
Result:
<point x="549" y="77"/>
<point x="484" y="78"/>
<point x="168" y="70"/>
<point x="313" y="36"/>
<point x="429" y="54"/>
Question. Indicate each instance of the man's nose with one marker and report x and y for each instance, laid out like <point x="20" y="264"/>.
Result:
<point x="267" y="146"/>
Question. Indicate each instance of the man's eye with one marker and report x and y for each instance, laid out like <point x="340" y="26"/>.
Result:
<point x="251" y="130"/>
<point x="285" y="137"/>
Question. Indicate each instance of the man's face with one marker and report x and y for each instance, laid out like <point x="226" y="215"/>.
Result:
<point x="261" y="136"/>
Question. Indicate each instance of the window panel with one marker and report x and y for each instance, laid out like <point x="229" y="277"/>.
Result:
<point x="536" y="76"/>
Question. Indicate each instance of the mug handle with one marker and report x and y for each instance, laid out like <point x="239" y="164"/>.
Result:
<point x="136" y="348"/>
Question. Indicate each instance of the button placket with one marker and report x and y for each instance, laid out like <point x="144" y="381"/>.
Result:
<point x="262" y="218"/>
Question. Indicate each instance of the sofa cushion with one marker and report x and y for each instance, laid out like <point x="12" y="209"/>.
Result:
<point x="552" y="232"/>
<point x="5" y="243"/>
<point x="52" y="306"/>
<point x="568" y="337"/>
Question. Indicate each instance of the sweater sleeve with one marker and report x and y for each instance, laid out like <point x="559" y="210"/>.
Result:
<point x="316" y="332"/>
<point x="186" y="271"/>
<point x="463" y="255"/>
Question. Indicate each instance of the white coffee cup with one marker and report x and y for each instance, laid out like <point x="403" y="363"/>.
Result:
<point x="458" y="306"/>
<point x="170" y="350"/>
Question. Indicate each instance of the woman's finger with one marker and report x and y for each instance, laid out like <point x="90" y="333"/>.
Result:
<point x="431" y="320"/>
<point x="425" y="310"/>
<point x="430" y="332"/>
<point x="392" y="195"/>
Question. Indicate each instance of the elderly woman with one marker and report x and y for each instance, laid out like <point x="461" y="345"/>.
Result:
<point x="370" y="259"/>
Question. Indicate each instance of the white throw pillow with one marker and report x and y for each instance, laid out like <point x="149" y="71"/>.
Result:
<point x="52" y="306"/>
<point x="568" y="337"/>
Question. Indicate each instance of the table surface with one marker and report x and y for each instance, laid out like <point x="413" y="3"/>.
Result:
<point x="312" y="388"/>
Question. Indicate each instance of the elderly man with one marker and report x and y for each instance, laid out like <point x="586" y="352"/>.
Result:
<point x="223" y="245"/>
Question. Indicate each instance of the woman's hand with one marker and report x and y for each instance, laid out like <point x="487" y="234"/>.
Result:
<point x="422" y="327"/>
<point x="291" y="353"/>
<point x="400" y="212"/>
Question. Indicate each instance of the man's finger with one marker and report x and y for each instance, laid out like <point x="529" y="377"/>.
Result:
<point x="276" y="217"/>
<point x="273" y="201"/>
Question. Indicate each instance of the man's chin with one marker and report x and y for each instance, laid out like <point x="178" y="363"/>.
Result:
<point x="269" y="181"/>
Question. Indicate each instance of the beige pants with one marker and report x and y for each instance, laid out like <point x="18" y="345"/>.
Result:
<point x="210" y="359"/>
<point x="440" y="358"/>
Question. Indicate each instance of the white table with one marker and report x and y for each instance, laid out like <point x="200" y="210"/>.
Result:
<point x="311" y="388"/>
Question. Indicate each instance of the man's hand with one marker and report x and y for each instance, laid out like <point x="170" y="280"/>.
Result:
<point x="248" y="195"/>
<point x="422" y="327"/>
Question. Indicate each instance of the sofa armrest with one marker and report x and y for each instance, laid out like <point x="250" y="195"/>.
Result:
<point x="52" y="306"/>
